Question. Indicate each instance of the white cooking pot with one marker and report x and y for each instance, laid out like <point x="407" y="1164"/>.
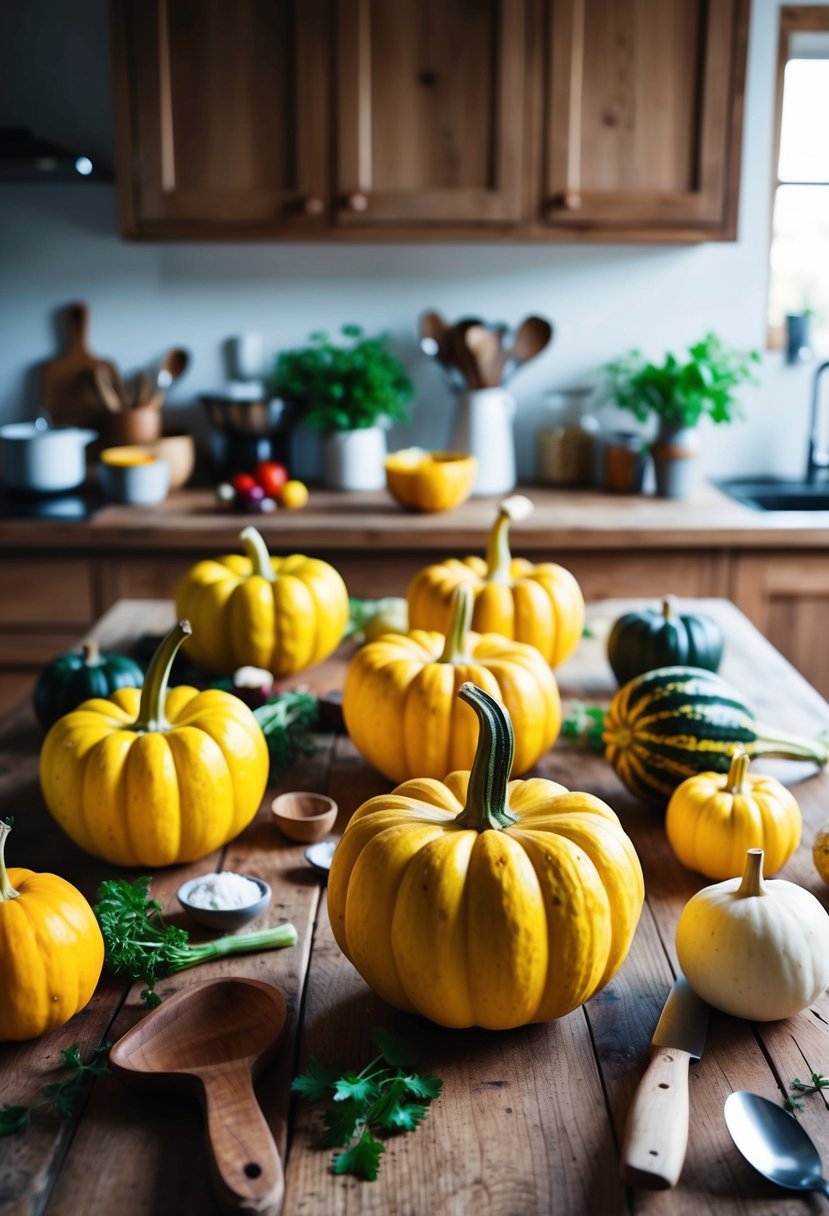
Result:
<point x="43" y="459"/>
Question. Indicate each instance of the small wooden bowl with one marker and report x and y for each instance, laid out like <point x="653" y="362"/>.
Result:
<point x="303" y="816"/>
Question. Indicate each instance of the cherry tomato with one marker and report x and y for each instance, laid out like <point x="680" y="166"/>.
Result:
<point x="242" y="482"/>
<point x="271" y="476"/>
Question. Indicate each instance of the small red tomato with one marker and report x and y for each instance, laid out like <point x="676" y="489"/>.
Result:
<point x="271" y="476"/>
<point x="242" y="482"/>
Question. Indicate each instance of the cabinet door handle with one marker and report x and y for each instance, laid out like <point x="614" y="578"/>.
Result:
<point x="569" y="200"/>
<point x="356" y="202"/>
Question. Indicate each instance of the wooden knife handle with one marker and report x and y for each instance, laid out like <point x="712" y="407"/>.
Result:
<point x="656" y="1133"/>
<point x="247" y="1166"/>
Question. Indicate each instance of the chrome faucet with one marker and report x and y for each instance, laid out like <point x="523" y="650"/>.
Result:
<point x="818" y="458"/>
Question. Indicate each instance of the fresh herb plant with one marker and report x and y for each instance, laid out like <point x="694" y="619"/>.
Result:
<point x="813" y="1086"/>
<point x="681" y="391"/>
<point x="385" y="1096"/>
<point x="344" y="385"/>
<point x="286" y="720"/>
<point x="585" y="725"/>
<point x="63" y="1097"/>
<point x="139" y="943"/>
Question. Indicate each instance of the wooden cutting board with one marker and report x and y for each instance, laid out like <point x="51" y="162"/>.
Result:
<point x="66" y="386"/>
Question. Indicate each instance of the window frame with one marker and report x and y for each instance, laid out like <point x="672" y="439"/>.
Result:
<point x="794" y="19"/>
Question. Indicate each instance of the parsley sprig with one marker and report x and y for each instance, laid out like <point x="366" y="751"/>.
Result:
<point x="139" y="943"/>
<point x="385" y="1096"/>
<point x="62" y="1096"/>
<point x="286" y="719"/>
<point x="585" y="725"/>
<point x="812" y="1086"/>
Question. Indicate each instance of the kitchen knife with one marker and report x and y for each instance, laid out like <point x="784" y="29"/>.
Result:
<point x="656" y="1133"/>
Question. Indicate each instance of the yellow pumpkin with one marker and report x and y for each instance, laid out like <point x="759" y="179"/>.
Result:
<point x="51" y="951"/>
<point x="479" y="901"/>
<point x="280" y="613"/>
<point x="400" y="701"/>
<point x="150" y="777"/>
<point x="539" y="604"/>
<point x="714" y="818"/>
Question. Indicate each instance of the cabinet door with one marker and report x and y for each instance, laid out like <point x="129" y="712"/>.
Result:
<point x="221" y="114"/>
<point x="642" y="114"/>
<point x="431" y="101"/>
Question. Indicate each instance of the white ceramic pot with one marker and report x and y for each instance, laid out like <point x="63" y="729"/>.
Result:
<point x="43" y="459"/>
<point x="483" y="429"/>
<point x="355" y="460"/>
<point x="675" y="451"/>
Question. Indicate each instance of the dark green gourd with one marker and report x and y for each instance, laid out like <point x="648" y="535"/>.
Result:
<point x="643" y="640"/>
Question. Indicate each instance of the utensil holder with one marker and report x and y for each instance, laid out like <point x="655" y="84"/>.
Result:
<point x="483" y="429"/>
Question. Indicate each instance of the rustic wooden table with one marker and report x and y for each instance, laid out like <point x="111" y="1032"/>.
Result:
<point x="530" y="1121"/>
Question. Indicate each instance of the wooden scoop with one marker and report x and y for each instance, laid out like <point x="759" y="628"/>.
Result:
<point x="210" y="1040"/>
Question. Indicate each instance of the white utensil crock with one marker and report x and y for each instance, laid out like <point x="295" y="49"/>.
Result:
<point x="483" y="428"/>
<point x="43" y="459"/>
<point x="355" y="460"/>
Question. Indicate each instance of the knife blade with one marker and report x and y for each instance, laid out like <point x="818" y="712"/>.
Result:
<point x="656" y="1132"/>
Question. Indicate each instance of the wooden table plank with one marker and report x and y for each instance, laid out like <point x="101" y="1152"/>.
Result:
<point x="530" y="1121"/>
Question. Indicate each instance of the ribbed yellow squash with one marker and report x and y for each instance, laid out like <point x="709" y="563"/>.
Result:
<point x="540" y="604"/>
<point x="401" y="707"/>
<point x="151" y="778"/>
<point x="51" y="951"/>
<point x="713" y="819"/>
<point x="280" y="613"/>
<point x="482" y="902"/>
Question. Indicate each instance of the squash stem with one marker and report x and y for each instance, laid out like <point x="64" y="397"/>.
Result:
<point x="91" y="654"/>
<point x="736" y="780"/>
<point x="486" y="799"/>
<point x="257" y="551"/>
<point x="460" y="618"/>
<point x="667" y="608"/>
<point x="498" y="556"/>
<point x="7" y="891"/>
<point x="154" y="692"/>
<point x="752" y="883"/>
<point x="775" y="743"/>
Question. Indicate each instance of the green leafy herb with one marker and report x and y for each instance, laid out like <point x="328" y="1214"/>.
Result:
<point x="813" y="1086"/>
<point x="63" y="1097"/>
<point x="385" y="1096"/>
<point x="585" y="724"/>
<point x="369" y="618"/>
<point x="140" y="944"/>
<point x="344" y="386"/>
<point x="286" y="720"/>
<point x="682" y="391"/>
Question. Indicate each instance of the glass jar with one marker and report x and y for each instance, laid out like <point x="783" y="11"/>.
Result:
<point x="567" y="442"/>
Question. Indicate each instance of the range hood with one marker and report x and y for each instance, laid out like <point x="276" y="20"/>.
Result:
<point x="26" y="157"/>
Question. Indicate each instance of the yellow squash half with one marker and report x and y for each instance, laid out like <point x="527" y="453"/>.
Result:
<point x="477" y="901"/>
<point x="151" y="777"/>
<point x="51" y="951"/>
<point x="401" y="707"/>
<point x="280" y="613"/>
<point x="541" y="604"/>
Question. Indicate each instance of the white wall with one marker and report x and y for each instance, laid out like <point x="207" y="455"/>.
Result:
<point x="59" y="243"/>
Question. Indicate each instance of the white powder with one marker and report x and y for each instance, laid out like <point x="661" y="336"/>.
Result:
<point x="224" y="891"/>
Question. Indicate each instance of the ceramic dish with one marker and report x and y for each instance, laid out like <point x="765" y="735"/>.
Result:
<point x="320" y="855"/>
<point x="304" y="816"/>
<point x="224" y="919"/>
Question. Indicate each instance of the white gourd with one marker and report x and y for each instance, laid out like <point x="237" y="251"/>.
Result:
<point x="754" y="948"/>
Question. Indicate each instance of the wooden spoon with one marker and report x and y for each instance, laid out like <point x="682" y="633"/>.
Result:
<point x="485" y="345"/>
<point x="532" y="335"/>
<point x="433" y="329"/>
<point x="211" y="1039"/>
<point x="173" y="365"/>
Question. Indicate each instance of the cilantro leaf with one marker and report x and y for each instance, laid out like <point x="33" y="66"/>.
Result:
<point x="341" y="1122"/>
<point x="13" y="1119"/>
<point x="360" y="1089"/>
<point x="362" y="1159"/>
<point x="407" y="1118"/>
<point x="394" y="1050"/>
<point x="423" y="1086"/>
<point x="318" y="1081"/>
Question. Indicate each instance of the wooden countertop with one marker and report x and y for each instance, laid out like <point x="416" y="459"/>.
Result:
<point x="358" y="522"/>
<point x="529" y="1121"/>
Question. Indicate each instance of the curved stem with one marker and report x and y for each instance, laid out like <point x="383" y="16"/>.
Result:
<point x="668" y="608"/>
<point x="7" y="891"/>
<point x="257" y="551"/>
<point x="91" y="654"/>
<point x="454" y="647"/>
<point x="752" y="883"/>
<point x="486" y="800"/>
<point x="735" y="783"/>
<point x="498" y="556"/>
<point x="154" y="692"/>
<point x="771" y="742"/>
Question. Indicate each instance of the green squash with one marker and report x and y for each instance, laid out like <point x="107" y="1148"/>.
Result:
<point x="675" y="722"/>
<point x="643" y="640"/>
<point x="75" y="677"/>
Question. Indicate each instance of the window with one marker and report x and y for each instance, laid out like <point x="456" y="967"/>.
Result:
<point x="799" y="261"/>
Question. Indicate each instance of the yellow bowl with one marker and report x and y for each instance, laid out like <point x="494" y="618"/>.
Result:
<point x="430" y="481"/>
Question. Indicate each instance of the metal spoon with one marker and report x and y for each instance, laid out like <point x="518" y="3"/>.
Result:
<point x="773" y="1142"/>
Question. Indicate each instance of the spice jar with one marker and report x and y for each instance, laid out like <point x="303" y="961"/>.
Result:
<point x="567" y="442"/>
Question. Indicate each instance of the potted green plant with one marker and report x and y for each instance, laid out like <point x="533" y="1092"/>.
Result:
<point x="679" y="393"/>
<point x="350" y="390"/>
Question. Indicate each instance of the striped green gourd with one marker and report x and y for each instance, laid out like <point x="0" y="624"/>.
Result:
<point x="674" y="722"/>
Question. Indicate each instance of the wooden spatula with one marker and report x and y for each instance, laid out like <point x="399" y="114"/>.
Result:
<point x="211" y="1039"/>
<point x="66" y="383"/>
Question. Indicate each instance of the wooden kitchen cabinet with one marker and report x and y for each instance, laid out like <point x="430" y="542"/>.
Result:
<point x="354" y="119"/>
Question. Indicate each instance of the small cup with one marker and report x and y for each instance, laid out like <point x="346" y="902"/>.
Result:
<point x="224" y="919"/>
<point x="304" y="816"/>
<point x="133" y="475"/>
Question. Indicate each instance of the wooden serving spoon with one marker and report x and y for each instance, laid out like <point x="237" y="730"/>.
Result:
<point x="532" y="335"/>
<point x="210" y="1040"/>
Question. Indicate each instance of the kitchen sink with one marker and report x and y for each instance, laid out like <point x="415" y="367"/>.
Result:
<point x="773" y="494"/>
